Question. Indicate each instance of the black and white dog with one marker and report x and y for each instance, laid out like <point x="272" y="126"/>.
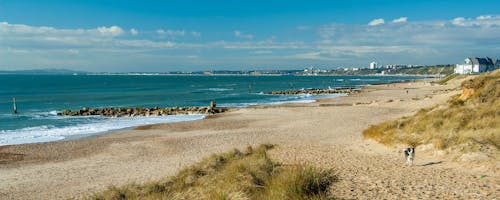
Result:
<point x="409" y="155"/>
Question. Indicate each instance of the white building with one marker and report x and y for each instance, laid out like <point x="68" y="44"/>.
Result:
<point x="373" y="65"/>
<point x="477" y="65"/>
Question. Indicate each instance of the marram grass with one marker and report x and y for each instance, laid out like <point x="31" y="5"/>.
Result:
<point x="234" y="175"/>
<point x="468" y="122"/>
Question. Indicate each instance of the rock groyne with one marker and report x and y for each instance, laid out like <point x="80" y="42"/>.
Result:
<point x="316" y="91"/>
<point x="133" y="112"/>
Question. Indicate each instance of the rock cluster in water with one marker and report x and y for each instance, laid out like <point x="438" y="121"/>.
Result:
<point x="316" y="91"/>
<point x="133" y="112"/>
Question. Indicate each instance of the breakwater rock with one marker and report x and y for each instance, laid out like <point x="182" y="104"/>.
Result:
<point x="317" y="91"/>
<point x="133" y="112"/>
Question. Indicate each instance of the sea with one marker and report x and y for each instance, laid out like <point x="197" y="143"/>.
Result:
<point x="40" y="97"/>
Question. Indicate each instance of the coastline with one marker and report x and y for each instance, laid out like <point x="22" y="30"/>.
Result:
<point x="323" y="133"/>
<point x="317" y="98"/>
<point x="333" y="75"/>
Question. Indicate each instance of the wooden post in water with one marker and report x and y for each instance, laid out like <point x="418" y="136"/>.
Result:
<point x="14" y="105"/>
<point x="212" y="107"/>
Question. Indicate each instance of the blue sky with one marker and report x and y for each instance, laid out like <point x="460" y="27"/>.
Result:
<point x="189" y="35"/>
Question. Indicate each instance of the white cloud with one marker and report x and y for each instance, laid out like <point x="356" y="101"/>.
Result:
<point x="262" y="52"/>
<point x="459" y="21"/>
<point x="309" y="56"/>
<point x="431" y="42"/>
<point x="480" y="21"/>
<point x="376" y="22"/>
<point x="33" y="37"/>
<point x="400" y="20"/>
<point x="171" y="33"/>
<point x="484" y="17"/>
<point x="134" y="31"/>
<point x="110" y="31"/>
<point x="456" y="32"/>
<point x="144" y="44"/>
<point x="239" y="34"/>
<point x="195" y="34"/>
<point x="260" y="45"/>
<point x="176" y="33"/>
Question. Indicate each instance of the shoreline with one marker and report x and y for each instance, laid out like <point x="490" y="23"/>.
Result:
<point x="326" y="133"/>
<point x="315" y="98"/>
<point x="320" y="101"/>
<point x="391" y="75"/>
<point x="229" y="109"/>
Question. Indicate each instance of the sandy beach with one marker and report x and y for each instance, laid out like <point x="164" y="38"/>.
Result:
<point x="326" y="134"/>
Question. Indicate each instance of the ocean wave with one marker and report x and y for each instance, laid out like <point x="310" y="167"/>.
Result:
<point x="54" y="112"/>
<point x="217" y="89"/>
<point x="243" y="105"/>
<point x="282" y="99"/>
<point x="238" y="105"/>
<point x="294" y="101"/>
<point x="96" y="125"/>
<point x="230" y="84"/>
<point x="263" y="93"/>
<point x="30" y="115"/>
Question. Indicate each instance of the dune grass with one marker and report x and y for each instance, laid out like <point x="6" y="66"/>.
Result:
<point x="447" y="78"/>
<point x="233" y="175"/>
<point x="468" y="122"/>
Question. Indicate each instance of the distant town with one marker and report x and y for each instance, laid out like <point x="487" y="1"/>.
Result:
<point x="373" y="69"/>
<point x="471" y="65"/>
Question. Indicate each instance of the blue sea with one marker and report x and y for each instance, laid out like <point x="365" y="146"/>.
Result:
<point x="40" y="97"/>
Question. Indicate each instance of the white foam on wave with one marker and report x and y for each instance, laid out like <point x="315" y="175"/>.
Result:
<point x="239" y="105"/>
<point x="54" y="112"/>
<point x="95" y="125"/>
<point x="294" y="101"/>
<point x="243" y="105"/>
<point x="282" y="99"/>
<point x="31" y="114"/>
<point x="218" y="89"/>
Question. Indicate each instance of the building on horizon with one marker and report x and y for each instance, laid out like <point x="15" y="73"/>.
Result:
<point x="373" y="65"/>
<point x="473" y="65"/>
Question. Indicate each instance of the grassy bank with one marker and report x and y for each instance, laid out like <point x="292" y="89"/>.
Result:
<point x="233" y="175"/>
<point x="469" y="122"/>
<point x="448" y="78"/>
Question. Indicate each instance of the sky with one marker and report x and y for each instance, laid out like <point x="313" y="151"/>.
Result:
<point x="158" y="36"/>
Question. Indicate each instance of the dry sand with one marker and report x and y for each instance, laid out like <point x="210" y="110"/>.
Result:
<point x="325" y="134"/>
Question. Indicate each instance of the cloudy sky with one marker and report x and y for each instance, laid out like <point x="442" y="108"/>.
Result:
<point x="147" y="35"/>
